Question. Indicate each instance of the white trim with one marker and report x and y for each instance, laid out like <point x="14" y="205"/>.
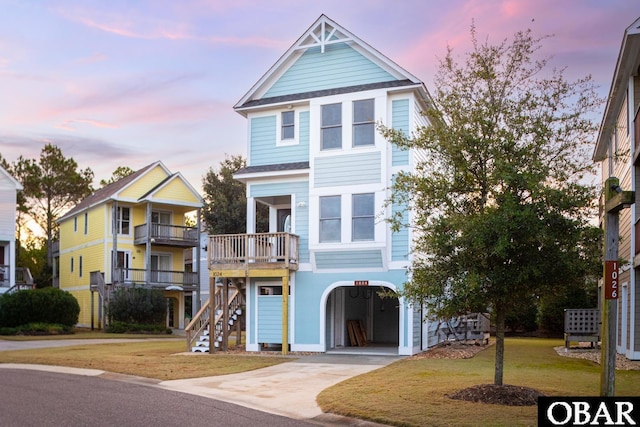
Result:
<point x="296" y="129"/>
<point x="317" y="348"/>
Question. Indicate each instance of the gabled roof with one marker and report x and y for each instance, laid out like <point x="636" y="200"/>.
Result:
<point x="110" y="192"/>
<point x="15" y="182"/>
<point x="149" y="195"/>
<point x="322" y="33"/>
<point x="626" y="66"/>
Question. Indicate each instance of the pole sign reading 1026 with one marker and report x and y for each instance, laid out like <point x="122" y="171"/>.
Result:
<point x="611" y="279"/>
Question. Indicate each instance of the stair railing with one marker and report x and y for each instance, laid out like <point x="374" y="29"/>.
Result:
<point x="198" y="325"/>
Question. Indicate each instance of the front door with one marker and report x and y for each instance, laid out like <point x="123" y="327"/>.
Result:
<point x="123" y="261"/>
<point x="284" y="220"/>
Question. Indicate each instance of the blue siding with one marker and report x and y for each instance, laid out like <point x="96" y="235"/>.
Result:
<point x="302" y="222"/>
<point x="278" y="189"/>
<point x="400" y="239"/>
<point x="362" y="168"/>
<point x="304" y="136"/>
<point x="263" y="149"/>
<point x="270" y="319"/>
<point x="400" y="121"/>
<point x="417" y="329"/>
<point x="349" y="259"/>
<point x="339" y="66"/>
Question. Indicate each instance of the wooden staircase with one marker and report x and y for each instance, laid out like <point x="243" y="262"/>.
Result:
<point x="200" y="332"/>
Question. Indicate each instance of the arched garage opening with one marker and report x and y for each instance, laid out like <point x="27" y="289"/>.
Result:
<point x="358" y="320"/>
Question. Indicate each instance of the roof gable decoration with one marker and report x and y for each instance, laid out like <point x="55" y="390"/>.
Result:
<point x="321" y="33"/>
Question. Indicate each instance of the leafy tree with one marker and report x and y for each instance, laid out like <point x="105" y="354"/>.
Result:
<point x="500" y="209"/>
<point x="118" y="174"/>
<point x="33" y="255"/>
<point x="52" y="185"/>
<point x="225" y="207"/>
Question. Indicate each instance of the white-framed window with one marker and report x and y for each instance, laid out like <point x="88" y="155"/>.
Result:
<point x="72" y="264"/>
<point x="75" y="224"/>
<point x="123" y="220"/>
<point x="287" y="125"/>
<point x="363" y="217"/>
<point x="363" y="123"/>
<point x="330" y="223"/>
<point x="86" y="223"/>
<point x="331" y="127"/>
<point x="80" y="266"/>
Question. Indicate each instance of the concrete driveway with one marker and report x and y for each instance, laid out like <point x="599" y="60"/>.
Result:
<point x="288" y="389"/>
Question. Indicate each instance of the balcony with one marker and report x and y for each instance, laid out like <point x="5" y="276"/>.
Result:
<point x="245" y="252"/>
<point x="167" y="235"/>
<point x="23" y="278"/>
<point x="156" y="278"/>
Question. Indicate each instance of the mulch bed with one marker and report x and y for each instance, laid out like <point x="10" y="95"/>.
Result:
<point x="509" y="395"/>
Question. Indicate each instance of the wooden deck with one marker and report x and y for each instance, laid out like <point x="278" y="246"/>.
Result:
<point x="250" y="255"/>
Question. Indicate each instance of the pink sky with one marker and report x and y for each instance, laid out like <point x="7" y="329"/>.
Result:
<point x="123" y="83"/>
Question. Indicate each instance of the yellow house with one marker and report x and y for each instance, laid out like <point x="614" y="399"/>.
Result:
<point x="132" y="232"/>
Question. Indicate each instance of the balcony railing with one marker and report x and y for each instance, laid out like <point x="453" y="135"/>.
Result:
<point x="22" y="276"/>
<point x="166" y="235"/>
<point x="156" y="278"/>
<point x="260" y="250"/>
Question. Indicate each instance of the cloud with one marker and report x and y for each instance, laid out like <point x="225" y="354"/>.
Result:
<point x="69" y="124"/>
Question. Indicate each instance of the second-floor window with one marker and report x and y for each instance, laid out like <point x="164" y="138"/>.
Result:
<point x="75" y="224"/>
<point x="86" y="223"/>
<point x="331" y="127"/>
<point x="80" y="266"/>
<point x="363" y="124"/>
<point x="330" y="224"/>
<point x="288" y="125"/>
<point x="123" y="220"/>
<point x="363" y="218"/>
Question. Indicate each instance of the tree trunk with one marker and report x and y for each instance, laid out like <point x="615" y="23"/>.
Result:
<point x="499" y="366"/>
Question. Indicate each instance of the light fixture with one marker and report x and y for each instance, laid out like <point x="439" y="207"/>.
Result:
<point x="301" y="204"/>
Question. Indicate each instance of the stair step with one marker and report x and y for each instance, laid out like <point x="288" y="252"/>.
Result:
<point x="203" y="343"/>
<point x="200" y="349"/>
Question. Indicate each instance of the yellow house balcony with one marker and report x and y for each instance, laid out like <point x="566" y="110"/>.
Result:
<point x="238" y="255"/>
<point x="166" y="235"/>
<point x="162" y="279"/>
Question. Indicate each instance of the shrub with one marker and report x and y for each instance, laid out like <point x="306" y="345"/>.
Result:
<point x="138" y="306"/>
<point x="49" y="305"/>
<point x="117" y="327"/>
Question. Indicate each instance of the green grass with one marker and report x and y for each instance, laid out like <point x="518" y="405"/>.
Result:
<point x="82" y="333"/>
<point x="413" y="392"/>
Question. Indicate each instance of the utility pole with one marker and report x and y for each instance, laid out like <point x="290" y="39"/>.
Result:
<point x="615" y="200"/>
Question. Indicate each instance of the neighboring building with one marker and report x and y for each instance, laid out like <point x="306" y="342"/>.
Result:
<point x="317" y="161"/>
<point x="142" y="220"/>
<point x="9" y="188"/>
<point x="618" y="150"/>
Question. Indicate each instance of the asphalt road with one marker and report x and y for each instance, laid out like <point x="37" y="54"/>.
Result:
<point x="38" y="398"/>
